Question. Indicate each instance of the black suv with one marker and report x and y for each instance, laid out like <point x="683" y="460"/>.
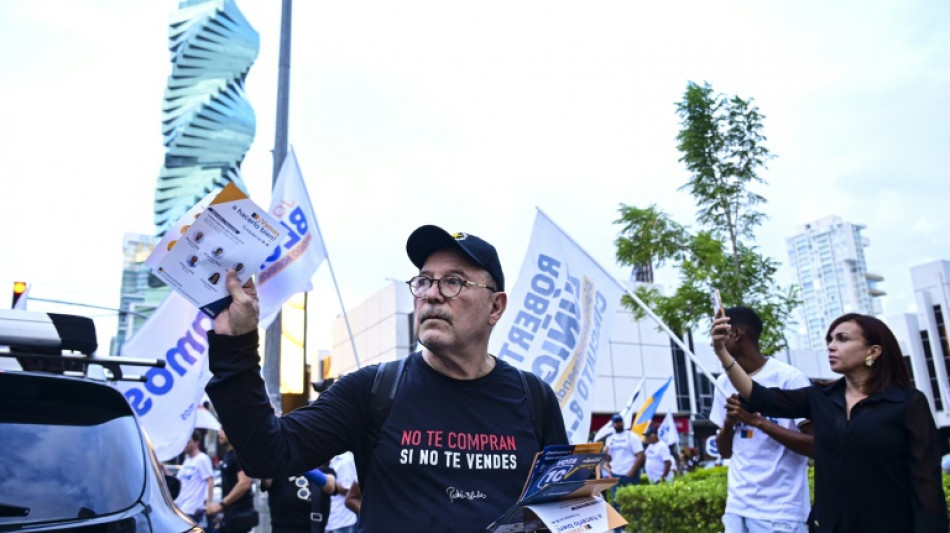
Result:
<point x="73" y="456"/>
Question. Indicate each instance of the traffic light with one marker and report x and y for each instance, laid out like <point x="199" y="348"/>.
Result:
<point x="19" y="290"/>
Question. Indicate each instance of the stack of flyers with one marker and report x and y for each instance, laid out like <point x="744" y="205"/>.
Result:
<point x="561" y="490"/>
<point x="224" y="231"/>
<point x="560" y="470"/>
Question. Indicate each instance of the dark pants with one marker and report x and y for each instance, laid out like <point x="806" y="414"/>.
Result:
<point x="624" y="481"/>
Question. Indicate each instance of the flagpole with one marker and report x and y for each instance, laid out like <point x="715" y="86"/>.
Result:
<point x="676" y="339"/>
<point x="346" y="318"/>
<point x="306" y="385"/>
<point x="271" y="369"/>
<point x="336" y="286"/>
<point x="643" y="306"/>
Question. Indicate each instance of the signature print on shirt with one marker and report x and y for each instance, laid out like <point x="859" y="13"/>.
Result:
<point x="459" y="494"/>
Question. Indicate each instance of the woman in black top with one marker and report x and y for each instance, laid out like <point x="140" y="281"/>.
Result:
<point x="877" y="457"/>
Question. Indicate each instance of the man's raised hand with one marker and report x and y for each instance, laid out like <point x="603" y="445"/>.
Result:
<point x="244" y="312"/>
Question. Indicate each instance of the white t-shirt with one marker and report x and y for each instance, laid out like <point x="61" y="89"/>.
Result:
<point x="623" y="448"/>
<point x="194" y="475"/>
<point x="766" y="479"/>
<point x="345" y="469"/>
<point x="657" y="454"/>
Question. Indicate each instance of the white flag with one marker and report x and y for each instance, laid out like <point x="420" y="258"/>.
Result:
<point x="558" y="321"/>
<point x="626" y="413"/>
<point x="168" y="401"/>
<point x="290" y="268"/>
<point x="667" y="431"/>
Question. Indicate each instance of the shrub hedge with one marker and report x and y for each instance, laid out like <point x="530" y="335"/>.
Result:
<point x="692" y="504"/>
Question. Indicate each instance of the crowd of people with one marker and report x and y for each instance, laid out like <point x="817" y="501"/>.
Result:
<point x="457" y="428"/>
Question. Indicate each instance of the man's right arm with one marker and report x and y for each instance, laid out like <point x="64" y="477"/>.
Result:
<point x="725" y="436"/>
<point x="270" y="446"/>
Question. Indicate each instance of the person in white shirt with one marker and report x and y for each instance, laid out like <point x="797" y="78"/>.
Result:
<point x="624" y="456"/>
<point x="624" y="453"/>
<point x="659" y="460"/>
<point x="768" y="468"/>
<point x="197" y="480"/>
<point x="342" y="520"/>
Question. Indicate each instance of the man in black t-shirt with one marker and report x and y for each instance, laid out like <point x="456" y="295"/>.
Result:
<point x="300" y="504"/>
<point x="237" y="503"/>
<point x="454" y="451"/>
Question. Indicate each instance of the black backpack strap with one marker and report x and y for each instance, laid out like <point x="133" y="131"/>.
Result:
<point x="383" y="394"/>
<point x="534" y="393"/>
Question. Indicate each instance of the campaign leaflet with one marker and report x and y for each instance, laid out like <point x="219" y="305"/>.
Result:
<point x="171" y="236"/>
<point x="231" y="232"/>
<point x="562" y="463"/>
<point x="560" y="475"/>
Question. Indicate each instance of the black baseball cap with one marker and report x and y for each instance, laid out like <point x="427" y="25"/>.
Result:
<point x="427" y="239"/>
<point x="616" y="418"/>
<point x="650" y="431"/>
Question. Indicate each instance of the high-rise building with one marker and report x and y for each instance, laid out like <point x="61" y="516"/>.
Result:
<point x="207" y="127"/>
<point x="136" y="301"/>
<point x="828" y="258"/>
<point x="924" y="340"/>
<point x="207" y="122"/>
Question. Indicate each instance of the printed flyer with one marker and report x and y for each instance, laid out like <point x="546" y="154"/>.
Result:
<point x="560" y="494"/>
<point x="228" y="232"/>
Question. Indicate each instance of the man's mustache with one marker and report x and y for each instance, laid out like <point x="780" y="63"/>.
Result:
<point x="434" y="313"/>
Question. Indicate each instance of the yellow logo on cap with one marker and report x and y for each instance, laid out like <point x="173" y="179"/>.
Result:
<point x="459" y="235"/>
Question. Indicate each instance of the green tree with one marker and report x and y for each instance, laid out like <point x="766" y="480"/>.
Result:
<point x="722" y="147"/>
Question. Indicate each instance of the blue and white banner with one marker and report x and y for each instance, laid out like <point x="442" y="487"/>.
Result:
<point x="289" y="269"/>
<point x="168" y="401"/>
<point x="558" y="321"/>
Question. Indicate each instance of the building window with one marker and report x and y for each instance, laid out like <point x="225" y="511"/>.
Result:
<point x="704" y="393"/>
<point x="931" y="371"/>
<point x="679" y="376"/>
<point x="942" y="332"/>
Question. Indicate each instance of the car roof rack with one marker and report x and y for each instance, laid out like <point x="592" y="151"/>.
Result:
<point x="62" y="344"/>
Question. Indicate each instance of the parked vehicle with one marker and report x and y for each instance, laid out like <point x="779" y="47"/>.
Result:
<point x="73" y="456"/>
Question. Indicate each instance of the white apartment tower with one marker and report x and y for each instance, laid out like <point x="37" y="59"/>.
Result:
<point x="828" y="258"/>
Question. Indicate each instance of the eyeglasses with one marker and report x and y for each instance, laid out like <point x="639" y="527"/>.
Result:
<point x="449" y="286"/>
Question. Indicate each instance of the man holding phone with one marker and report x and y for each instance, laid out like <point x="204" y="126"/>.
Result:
<point x="768" y="469"/>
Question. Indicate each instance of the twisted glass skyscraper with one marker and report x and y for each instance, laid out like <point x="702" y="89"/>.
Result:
<point x="207" y="122"/>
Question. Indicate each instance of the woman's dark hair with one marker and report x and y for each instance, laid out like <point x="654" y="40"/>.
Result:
<point x="889" y="369"/>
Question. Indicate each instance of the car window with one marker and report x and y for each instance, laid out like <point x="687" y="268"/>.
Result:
<point x="65" y="457"/>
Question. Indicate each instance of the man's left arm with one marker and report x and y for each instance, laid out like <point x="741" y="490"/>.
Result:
<point x="240" y="488"/>
<point x="667" y="464"/>
<point x="637" y="464"/>
<point x="637" y="448"/>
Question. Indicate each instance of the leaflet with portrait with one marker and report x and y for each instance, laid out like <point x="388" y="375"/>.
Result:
<point x="226" y="230"/>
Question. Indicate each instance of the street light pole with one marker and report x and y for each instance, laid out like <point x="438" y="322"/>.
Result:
<point x="274" y="331"/>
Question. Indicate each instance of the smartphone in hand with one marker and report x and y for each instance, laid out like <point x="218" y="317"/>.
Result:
<point x="717" y="303"/>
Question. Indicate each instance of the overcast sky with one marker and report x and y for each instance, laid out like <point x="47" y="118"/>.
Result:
<point x="470" y="115"/>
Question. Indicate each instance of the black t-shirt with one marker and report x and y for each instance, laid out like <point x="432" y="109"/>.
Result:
<point x="292" y="507"/>
<point x="452" y="457"/>
<point x="229" y="476"/>
<point x="453" y="454"/>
